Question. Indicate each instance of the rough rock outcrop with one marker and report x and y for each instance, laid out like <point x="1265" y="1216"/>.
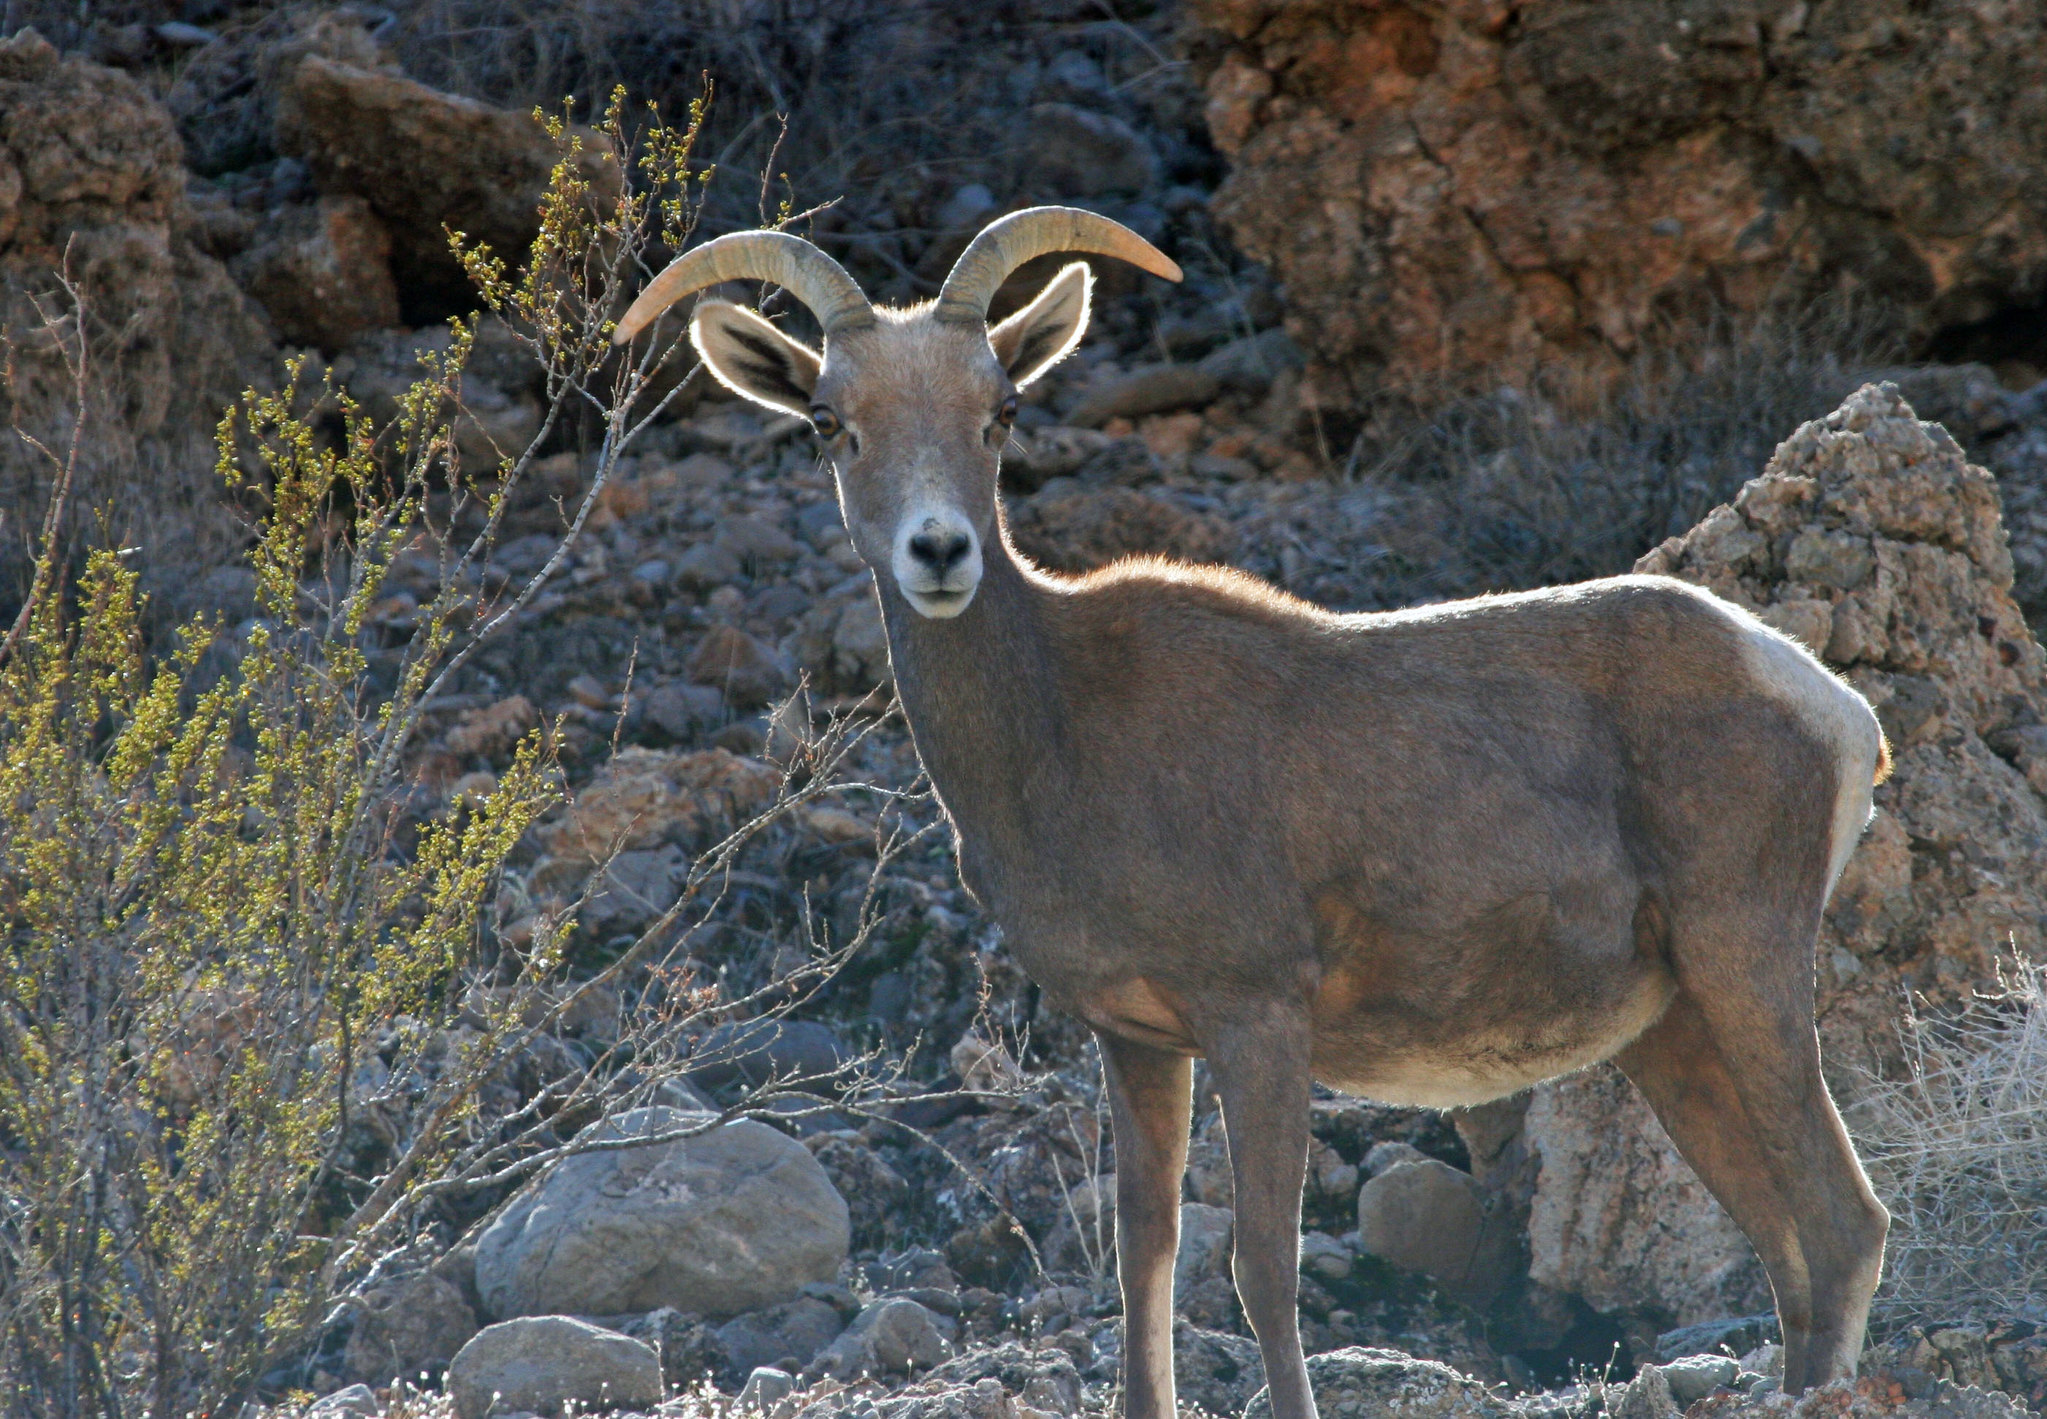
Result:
<point x="1469" y="189"/>
<point x="92" y="180"/>
<point x="715" y="1225"/>
<point x="1872" y="539"/>
<point x="323" y="271"/>
<point x="424" y="160"/>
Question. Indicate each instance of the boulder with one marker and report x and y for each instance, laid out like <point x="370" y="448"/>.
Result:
<point x="1871" y="536"/>
<point x="719" y="1224"/>
<point x="759" y="1050"/>
<point x="323" y="271"/>
<point x="1619" y="1219"/>
<point x="552" y="1365"/>
<point x="1386" y="1382"/>
<point x="1429" y="1217"/>
<point x="1466" y="193"/>
<point x="424" y="160"/>
<point x="407" y="1329"/>
<point x="894" y="1336"/>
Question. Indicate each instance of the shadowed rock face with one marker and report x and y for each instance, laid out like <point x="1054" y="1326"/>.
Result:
<point x="1464" y="190"/>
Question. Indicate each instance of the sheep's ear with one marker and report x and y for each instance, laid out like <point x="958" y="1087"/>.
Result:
<point x="1045" y="331"/>
<point x="752" y="358"/>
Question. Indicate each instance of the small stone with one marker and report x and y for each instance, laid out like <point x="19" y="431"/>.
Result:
<point x="895" y="1336"/>
<point x="754" y="540"/>
<point x="743" y="668"/>
<point x="1696" y="1376"/>
<point x="765" y="1386"/>
<point x="1324" y="1257"/>
<point x="705" y="566"/>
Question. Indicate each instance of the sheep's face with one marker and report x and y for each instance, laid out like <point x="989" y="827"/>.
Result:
<point x="913" y="414"/>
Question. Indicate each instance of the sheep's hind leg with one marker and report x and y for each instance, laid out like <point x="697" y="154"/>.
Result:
<point x="1736" y="1082"/>
<point x="1150" y="1094"/>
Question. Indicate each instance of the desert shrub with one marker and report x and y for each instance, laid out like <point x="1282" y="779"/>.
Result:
<point x="256" y="1017"/>
<point x="1547" y="485"/>
<point x="1956" y="1146"/>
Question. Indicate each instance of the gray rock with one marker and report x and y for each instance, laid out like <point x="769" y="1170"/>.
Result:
<point x="719" y="1224"/>
<point x="358" y="1401"/>
<point x="635" y="888"/>
<point x="705" y="566"/>
<point x="754" y="540"/>
<point x="1696" y="1376"/>
<point x="1044" y="1379"/>
<point x="765" y="1387"/>
<point x="1385" y="1156"/>
<point x="793" y="1332"/>
<point x="1150" y="389"/>
<point x="1647" y="1396"/>
<point x="1429" y="1217"/>
<point x="406" y="1329"/>
<point x="1215" y="1372"/>
<point x="546" y="1363"/>
<point x="1735" y="1335"/>
<point x="889" y="1337"/>
<point x="759" y="1050"/>
<point x="1076" y="152"/>
<point x="1204" y="1245"/>
<point x="1387" y="1384"/>
<point x="1324" y="1257"/>
<point x="683" y="711"/>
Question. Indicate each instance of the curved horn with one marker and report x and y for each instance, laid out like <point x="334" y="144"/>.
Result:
<point x="1008" y="242"/>
<point x="789" y="261"/>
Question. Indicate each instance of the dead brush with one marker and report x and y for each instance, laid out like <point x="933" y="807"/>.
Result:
<point x="1956" y="1146"/>
<point x="1554" y="484"/>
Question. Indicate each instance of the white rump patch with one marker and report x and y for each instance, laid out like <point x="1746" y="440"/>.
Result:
<point x="1791" y="675"/>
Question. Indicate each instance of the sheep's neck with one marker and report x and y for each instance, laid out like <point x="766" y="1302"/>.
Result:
<point x="984" y="699"/>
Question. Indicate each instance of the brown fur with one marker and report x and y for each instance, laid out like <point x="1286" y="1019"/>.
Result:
<point x="1433" y="855"/>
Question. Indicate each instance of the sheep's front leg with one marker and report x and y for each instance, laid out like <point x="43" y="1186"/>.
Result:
<point x="1260" y="1066"/>
<point x="1150" y="1095"/>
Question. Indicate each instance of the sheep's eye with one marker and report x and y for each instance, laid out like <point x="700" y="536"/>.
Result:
<point x="1006" y="415"/>
<point x="825" y="422"/>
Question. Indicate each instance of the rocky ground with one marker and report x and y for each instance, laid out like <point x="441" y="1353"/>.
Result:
<point x="279" y="184"/>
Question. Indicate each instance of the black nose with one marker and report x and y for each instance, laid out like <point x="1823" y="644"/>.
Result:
<point x="941" y="549"/>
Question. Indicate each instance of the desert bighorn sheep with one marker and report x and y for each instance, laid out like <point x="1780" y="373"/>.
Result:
<point x="1431" y="857"/>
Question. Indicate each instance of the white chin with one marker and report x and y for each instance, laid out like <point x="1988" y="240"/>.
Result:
<point x="940" y="605"/>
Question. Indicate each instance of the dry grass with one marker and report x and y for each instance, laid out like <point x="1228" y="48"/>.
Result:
<point x="1517" y="490"/>
<point x="1957" y="1149"/>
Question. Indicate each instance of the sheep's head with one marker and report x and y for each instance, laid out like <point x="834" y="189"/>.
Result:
<point x="912" y="406"/>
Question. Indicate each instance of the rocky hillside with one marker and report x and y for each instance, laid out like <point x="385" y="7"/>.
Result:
<point x="1445" y="191"/>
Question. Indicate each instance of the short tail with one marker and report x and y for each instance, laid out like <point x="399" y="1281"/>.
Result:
<point x="1883" y="757"/>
